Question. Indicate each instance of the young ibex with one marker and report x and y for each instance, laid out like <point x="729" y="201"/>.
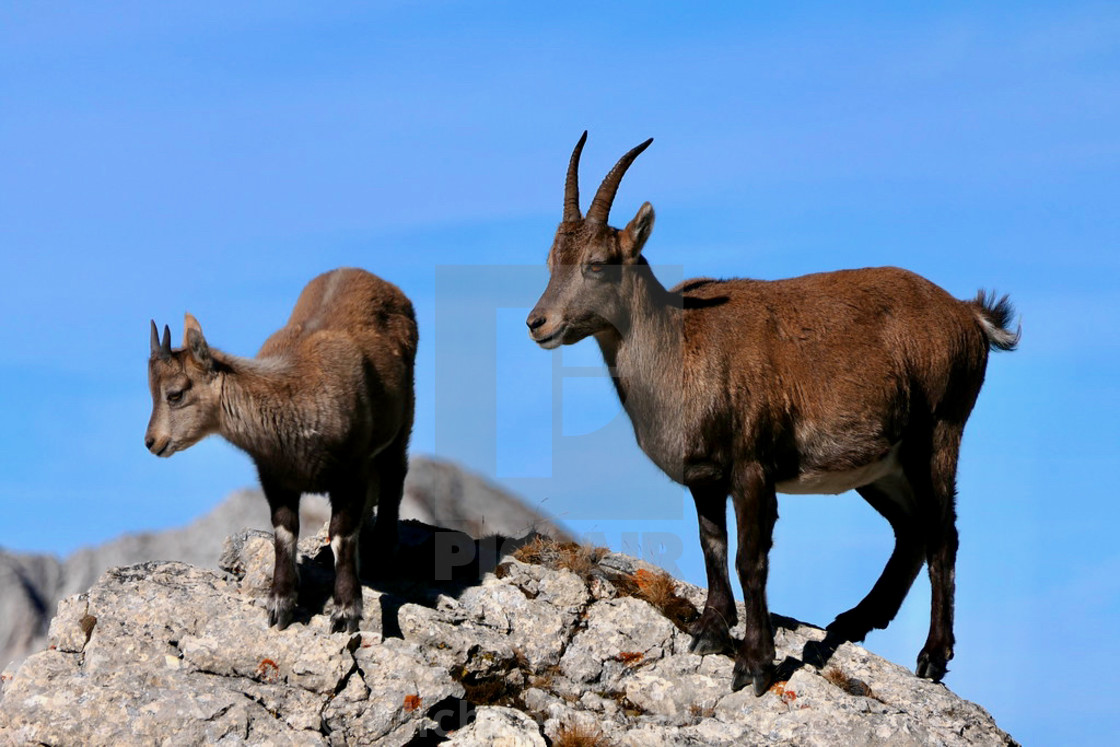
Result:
<point x="325" y="407"/>
<point x="818" y="384"/>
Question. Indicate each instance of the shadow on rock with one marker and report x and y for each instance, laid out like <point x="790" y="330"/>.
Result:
<point x="818" y="653"/>
<point x="430" y="562"/>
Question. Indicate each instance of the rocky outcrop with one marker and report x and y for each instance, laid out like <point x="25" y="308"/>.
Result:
<point x="436" y="492"/>
<point x="554" y="644"/>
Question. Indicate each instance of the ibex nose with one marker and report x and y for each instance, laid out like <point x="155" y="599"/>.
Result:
<point x="535" y="322"/>
<point x="148" y="441"/>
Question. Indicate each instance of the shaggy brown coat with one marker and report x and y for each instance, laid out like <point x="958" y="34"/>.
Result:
<point x="326" y="406"/>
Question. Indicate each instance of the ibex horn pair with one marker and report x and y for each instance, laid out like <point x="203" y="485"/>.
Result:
<point x="600" y="206"/>
<point x="161" y="350"/>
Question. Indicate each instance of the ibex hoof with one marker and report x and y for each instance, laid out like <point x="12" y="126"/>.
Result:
<point x="759" y="681"/>
<point x="710" y="636"/>
<point x="850" y="627"/>
<point x="817" y="653"/>
<point x="931" y="666"/>
<point x="711" y="642"/>
<point x="280" y="612"/>
<point x="345" y="621"/>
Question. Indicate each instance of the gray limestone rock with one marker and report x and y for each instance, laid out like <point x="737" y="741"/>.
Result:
<point x="436" y="492"/>
<point x="495" y="726"/>
<point x="168" y="653"/>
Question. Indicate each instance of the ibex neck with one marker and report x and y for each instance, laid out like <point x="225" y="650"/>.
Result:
<point x="647" y="344"/>
<point x="258" y="412"/>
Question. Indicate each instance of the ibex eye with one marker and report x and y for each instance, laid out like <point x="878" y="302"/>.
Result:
<point x="174" y="398"/>
<point x="595" y="268"/>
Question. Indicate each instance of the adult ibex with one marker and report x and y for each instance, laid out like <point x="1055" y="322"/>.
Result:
<point x="325" y="407"/>
<point x="817" y="384"/>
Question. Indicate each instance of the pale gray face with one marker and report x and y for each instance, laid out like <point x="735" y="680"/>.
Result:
<point x="185" y="395"/>
<point x="589" y="261"/>
<point x="591" y="266"/>
<point x="582" y="289"/>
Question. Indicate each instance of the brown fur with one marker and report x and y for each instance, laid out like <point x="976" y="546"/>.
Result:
<point x="854" y="379"/>
<point x="326" y="406"/>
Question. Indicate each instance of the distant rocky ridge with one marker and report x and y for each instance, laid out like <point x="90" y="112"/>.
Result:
<point x="436" y="492"/>
<point x="554" y="644"/>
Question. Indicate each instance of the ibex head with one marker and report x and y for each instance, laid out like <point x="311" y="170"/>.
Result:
<point x="185" y="391"/>
<point x="588" y="261"/>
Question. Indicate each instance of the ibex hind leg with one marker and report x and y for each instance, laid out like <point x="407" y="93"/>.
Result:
<point x="941" y="546"/>
<point x="347" y="517"/>
<point x="380" y="540"/>
<point x="893" y="497"/>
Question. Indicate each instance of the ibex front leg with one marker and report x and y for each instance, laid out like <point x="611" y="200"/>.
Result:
<point x="711" y="633"/>
<point x="756" y="510"/>
<point x="285" y="574"/>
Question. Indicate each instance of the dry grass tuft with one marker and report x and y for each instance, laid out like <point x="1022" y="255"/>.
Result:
<point x="699" y="712"/>
<point x="500" y="690"/>
<point x="848" y="684"/>
<point x="579" y="735"/>
<point x="545" y="680"/>
<point x="489" y="691"/>
<point x="656" y="587"/>
<point x="625" y="705"/>
<point x="659" y="589"/>
<point x="836" y="677"/>
<point x="570" y="556"/>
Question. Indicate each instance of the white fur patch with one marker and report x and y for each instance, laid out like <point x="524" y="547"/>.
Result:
<point x="834" y="483"/>
<point x="284" y="537"/>
<point x="336" y="545"/>
<point x="998" y="335"/>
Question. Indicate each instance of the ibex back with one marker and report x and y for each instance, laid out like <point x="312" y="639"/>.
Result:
<point x="859" y="379"/>
<point x="325" y="407"/>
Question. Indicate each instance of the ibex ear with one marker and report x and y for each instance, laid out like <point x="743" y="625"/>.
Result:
<point x="195" y="342"/>
<point x="634" y="236"/>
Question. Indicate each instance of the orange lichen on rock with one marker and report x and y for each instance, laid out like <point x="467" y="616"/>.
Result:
<point x="786" y="696"/>
<point x="268" y="671"/>
<point x="629" y="657"/>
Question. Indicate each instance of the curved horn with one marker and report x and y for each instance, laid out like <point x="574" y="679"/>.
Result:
<point x="571" y="186"/>
<point x="601" y="205"/>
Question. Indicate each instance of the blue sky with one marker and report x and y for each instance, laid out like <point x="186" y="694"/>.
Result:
<point x="213" y="157"/>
